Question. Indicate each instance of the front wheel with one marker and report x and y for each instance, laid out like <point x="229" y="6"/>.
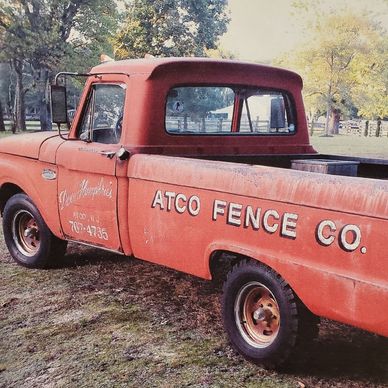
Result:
<point x="29" y="240"/>
<point x="261" y="314"/>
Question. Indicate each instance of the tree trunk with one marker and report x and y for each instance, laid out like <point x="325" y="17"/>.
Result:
<point x="334" y="122"/>
<point x="366" y="130"/>
<point x="11" y="116"/>
<point x="378" y="129"/>
<point x="44" y="103"/>
<point x="185" y="126"/>
<point x="19" y="107"/>
<point x="312" y="123"/>
<point x="328" y="111"/>
<point x="2" y="126"/>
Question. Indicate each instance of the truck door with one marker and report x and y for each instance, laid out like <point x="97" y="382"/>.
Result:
<point x="87" y="183"/>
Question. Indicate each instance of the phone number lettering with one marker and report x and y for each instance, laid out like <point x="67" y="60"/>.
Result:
<point x="78" y="227"/>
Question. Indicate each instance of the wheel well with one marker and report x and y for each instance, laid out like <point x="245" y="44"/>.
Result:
<point x="7" y="190"/>
<point x="221" y="262"/>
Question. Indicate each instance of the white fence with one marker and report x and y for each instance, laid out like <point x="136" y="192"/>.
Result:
<point x="31" y="125"/>
<point x="357" y="128"/>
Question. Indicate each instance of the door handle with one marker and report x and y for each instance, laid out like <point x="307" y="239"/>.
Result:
<point x="108" y="154"/>
<point x="122" y="154"/>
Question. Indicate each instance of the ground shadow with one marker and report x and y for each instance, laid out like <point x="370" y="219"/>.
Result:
<point x="80" y="255"/>
<point x="345" y="352"/>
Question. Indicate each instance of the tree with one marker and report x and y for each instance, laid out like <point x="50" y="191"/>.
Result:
<point x="171" y="28"/>
<point x="371" y="92"/>
<point x="38" y="34"/>
<point x="3" y="94"/>
<point x="2" y="126"/>
<point x="331" y="63"/>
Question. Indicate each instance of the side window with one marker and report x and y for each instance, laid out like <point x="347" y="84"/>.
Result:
<point x="266" y="112"/>
<point x="103" y="116"/>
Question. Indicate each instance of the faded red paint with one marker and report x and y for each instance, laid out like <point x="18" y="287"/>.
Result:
<point x="319" y="274"/>
<point x="178" y="211"/>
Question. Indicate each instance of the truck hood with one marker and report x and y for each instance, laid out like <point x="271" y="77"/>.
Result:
<point x="27" y="145"/>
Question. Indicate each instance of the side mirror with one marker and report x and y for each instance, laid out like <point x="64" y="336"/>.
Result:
<point x="59" y="104"/>
<point x="278" y="113"/>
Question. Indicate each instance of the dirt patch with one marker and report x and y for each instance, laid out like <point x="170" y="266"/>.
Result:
<point x="101" y="320"/>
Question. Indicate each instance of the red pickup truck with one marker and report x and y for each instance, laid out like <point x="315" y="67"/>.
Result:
<point x="200" y="165"/>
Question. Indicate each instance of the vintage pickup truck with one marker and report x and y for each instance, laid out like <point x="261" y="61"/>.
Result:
<point x="200" y="165"/>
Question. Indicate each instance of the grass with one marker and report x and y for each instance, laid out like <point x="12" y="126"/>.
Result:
<point x="5" y="134"/>
<point x="31" y="126"/>
<point x="352" y="145"/>
<point x="91" y="323"/>
<point x="101" y="320"/>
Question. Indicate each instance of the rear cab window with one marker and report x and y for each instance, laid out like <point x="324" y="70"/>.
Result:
<point x="227" y="110"/>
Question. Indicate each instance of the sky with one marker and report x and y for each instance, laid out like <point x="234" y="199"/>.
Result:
<point x="261" y="30"/>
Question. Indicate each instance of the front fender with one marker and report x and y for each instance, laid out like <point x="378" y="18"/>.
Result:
<point x="27" y="175"/>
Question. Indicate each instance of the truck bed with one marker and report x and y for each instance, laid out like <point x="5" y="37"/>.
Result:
<point x="367" y="167"/>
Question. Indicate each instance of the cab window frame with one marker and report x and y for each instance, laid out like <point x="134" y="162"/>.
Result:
<point x="238" y="107"/>
<point x="89" y="111"/>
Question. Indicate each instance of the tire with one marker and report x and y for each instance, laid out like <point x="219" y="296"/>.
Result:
<point x="262" y="315"/>
<point x="28" y="238"/>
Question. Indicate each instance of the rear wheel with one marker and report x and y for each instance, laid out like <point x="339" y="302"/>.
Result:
<point x="29" y="240"/>
<point x="257" y="314"/>
<point x="261" y="313"/>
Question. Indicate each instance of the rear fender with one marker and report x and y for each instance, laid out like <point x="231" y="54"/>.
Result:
<point x="268" y="258"/>
<point x="323" y="291"/>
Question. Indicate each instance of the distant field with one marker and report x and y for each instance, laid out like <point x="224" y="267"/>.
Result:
<point x="352" y="145"/>
<point x="31" y="126"/>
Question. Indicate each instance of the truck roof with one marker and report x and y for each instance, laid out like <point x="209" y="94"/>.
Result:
<point x="159" y="66"/>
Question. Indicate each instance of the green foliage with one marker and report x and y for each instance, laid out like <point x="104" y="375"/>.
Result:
<point x="220" y="53"/>
<point x="371" y="91"/>
<point x="4" y="82"/>
<point x="342" y="64"/>
<point x="44" y="32"/>
<point x="171" y="28"/>
<point x="199" y="101"/>
<point x="40" y="37"/>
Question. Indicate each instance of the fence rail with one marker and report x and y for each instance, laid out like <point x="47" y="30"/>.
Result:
<point x="32" y="125"/>
<point x="355" y="128"/>
<point x="348" y="128"/>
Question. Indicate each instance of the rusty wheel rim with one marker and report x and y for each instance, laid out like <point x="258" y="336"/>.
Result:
<point x="257" y="315"/>
<point x="26" y="233"/>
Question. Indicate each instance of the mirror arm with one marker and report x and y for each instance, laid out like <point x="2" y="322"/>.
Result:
<point x="60" y="134"/>
<point x="64" y="73"/>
